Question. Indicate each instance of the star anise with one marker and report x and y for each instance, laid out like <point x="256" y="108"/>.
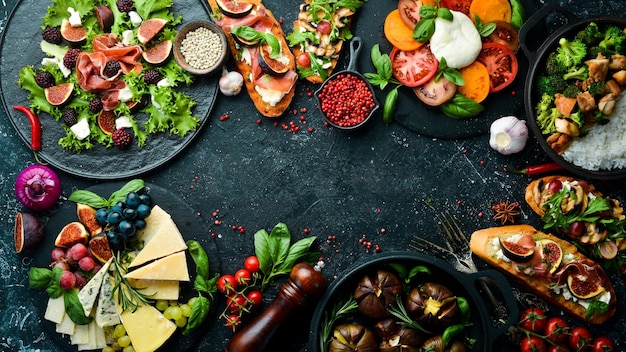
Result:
<point x="506" y="211"/>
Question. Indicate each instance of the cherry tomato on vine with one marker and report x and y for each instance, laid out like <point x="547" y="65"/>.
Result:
<point x="533" y="319"/>
<point x="602" y="344"/>
<point x="256" y="297"/>
<point x="579" y="338"/>
<point x="227" y="284"/>
<point x="243" y="277"/>
<point x="233" y="321"/>
<point x="252" y="264"/>
<point x="236" y="303"/>
<point x="532" y="344"/>
<point x="557" y="348"/>
<point x="556" y="329"/>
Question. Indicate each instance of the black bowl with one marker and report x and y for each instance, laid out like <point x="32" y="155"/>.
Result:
<point x="537" y="61"/>
<point x="463" y="285"/>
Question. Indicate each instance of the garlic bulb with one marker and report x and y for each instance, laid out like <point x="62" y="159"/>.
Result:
<point x="508" y="135"/>
<point x="230" y="83"/>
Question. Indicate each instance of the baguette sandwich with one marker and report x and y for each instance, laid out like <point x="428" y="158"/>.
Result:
<point x="319" y="32"/>
<point x="550" y="267"/>
<point x="260" y="52"/>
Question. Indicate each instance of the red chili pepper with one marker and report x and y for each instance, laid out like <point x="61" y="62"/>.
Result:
<point x="35" y="127"/>
<point x="538" y="169"/>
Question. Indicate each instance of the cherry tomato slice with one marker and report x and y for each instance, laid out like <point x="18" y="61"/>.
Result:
<point x="501" y="63"/>
<point x="324" y="27"/>
<point x="410" y="12"/>
<point x="435" y="93"/>
<point x="457" y="5"/>
<point x="505" y="34"/>
<point x="304" y="60"/>
<point x="415" y="67"/>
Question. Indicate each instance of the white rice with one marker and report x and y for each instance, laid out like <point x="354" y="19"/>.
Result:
<point x="604" y="147"/>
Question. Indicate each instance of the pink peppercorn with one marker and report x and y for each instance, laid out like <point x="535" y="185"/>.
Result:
<point x="346" y="100"/>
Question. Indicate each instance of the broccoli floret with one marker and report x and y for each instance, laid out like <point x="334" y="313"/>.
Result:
<point x="590" y="35"/>
<point x="596" y="88"/>
<point x="547" y="113"/>
<point x="594" y="51"/>
<point x="570" y="52"/>
<point x="571" y="91"/>
<point x="579" y="73"/>
<point x="579" y="118"/>
<point x="601" y="119"/>
<point x="553" y="65"/>
<point x="614" y="40"/>
<point x="550" y="85"/>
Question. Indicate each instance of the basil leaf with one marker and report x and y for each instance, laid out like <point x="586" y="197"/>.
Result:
<point x="460" y="107"/>
<point x="247" y="33"/>
<point x="89" y="198"/>
<point x="74" y="309"/>
<point x="205" y="286"/>
<point x="296" y="251"/>
<point x="40" y="278"/>
<point x="262" y="251"/>
<point x="454" y="76"/>
<point x="518" y="13"/>
<point x="131" y="186"/>
<point x="419" y="269"/>
<point x="484" y="29"/>
<point x="54" y="289"/>
<point x="280" y="240"/>
<point x="273" y="42"/>
<point x="424" y="30"/>
<point x="444" y="13"/>
<point x="428" y="11"/>
<point x="199" y="312"/>
<point x="199" y="256"/>
<point x="401" y="270"/>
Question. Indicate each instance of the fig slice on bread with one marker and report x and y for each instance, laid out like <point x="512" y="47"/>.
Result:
<point x="553" y="269"/>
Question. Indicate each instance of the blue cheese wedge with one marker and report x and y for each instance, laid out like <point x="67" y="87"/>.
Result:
<point x="88" y="294"/>
<point x="167" y="240"/>
<point x="172" y="267"/>
<point x="106" y="314"/>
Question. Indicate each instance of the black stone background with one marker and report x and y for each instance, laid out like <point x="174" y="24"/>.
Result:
<point x="382" y="182"/>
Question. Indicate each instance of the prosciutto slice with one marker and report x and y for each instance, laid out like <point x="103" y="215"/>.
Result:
<point x="111" y="98"/>
<point x="113" y="48"/>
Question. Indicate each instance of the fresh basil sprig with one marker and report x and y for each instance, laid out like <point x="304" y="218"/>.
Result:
<point x="252" y="35"/>
<point x="461" y="107"/>
<point x="96" y="201"/>
<point x="451" y="74"/>
<point x="203" y="284"/>
<point x="277" y="255"/>
<point x="382" y="77"/>
<point x="484" y="30"/>
<point x="425" y="27"/>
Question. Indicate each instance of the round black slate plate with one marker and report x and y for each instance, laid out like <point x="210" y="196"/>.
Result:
<point x="191" y="227"/>
<point x="20" y="47"/>
<point x="431" y="122"/>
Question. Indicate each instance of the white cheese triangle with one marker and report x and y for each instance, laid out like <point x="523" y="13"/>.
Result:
<point x="172" y="267"/>
<point x="165" y="241"/>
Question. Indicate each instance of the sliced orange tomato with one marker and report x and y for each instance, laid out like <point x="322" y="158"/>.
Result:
<point x="398" y="33"/>
<point x="477" y="81"/>
<point x="491" y="10"/>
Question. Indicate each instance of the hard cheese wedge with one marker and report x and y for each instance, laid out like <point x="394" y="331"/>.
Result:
<point x="55" y="310"/>
<point x="165" y="241"/>
<point x="157" y="289"/>
<point x="172" y="267"/>
<point x="157" y="216"/>
<point x="88" y="294"/>
<point x="147" y="328"/>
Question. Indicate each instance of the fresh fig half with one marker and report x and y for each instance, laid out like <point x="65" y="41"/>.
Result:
<point x="99" y="248"/>
<point x="59" y="94"/>
<point x="105" y="17"/>
<point x="106" y="121"/>
<point x="234" y="8"/>
<point x="582" y="287"/>
<point x="74" y="35"/>
<point x="270" y="65"/>
<point x="27" y="232"/>
<point x="515" y="251"/>
<point x="158" y="53"/>
<point x="551" y="253"/>
<point x="149" y="29"/>
<point x="87" y="216"/>
<point x="70" y="234"/>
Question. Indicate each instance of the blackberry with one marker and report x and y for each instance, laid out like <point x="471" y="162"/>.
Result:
<point x="52" y="35"/>
<point x="151" y="76"/>
<point x="45" y="79"/>
<point x="121" y="138"/>
<point x="70" y="58"/>
<point x="70" y="116"/>
<point x="124" y="5"/>
<point x="95" y="104"/>
<point x="112" y="68"/>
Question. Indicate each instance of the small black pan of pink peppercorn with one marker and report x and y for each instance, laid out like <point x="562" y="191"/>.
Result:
<point x="346" y="98"/>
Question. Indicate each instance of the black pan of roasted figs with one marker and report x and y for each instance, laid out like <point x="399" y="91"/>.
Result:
<point x="420" y="275"/>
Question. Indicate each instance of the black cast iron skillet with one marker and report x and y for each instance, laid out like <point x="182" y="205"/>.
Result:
<point x="537" y="51"/>
<point x="443" y="273"/>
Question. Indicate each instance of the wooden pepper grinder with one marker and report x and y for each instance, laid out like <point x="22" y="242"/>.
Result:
<point x="305" y="285"/>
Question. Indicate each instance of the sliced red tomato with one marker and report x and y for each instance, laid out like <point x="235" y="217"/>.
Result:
<point x="410" y="11"/>
<point x="415" y="67"/>
<point x="506" y="34"/>
<point x="435" y="93"/>
<point x="501" y="63"/>
<point x="457" y="5"/>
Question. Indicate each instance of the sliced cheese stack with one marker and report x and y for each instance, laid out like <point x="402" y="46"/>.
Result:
<point x="85" y="337"/>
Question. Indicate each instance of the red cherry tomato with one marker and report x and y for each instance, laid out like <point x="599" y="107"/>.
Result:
<point x="501" y="63"/>
<point x="324" y="27"/>
<point x="410" y="12"/>
<point x="236" y="303"/>
<point x="533" y="319"/>
<point x="532" y="344"/>
<point x="227" y="284"/>
<point x="252" y="264"/>
<point x="579" y="339"/>
<point x="303" y="60"/>
<point x="457" y="5"/>
<point x="256" y="297"/>
<point x="233" y="321"/>
<point x="602" y="344"/>
<point x="556" y="329"/>
<point x="415" y="67"/>
<point x="243" y="277"/>
<point x="557" y="348"/>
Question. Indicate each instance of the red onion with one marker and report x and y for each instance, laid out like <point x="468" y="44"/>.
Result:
<point x="37" y="187"/>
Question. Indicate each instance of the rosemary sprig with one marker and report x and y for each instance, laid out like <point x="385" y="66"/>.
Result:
<point x="400" y="312"/>
<point x="340" y="309"/>
<point x="127" y="296"/>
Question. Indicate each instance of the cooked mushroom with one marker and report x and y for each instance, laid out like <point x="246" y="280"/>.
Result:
<point x="594" y="234"/>
<point x="340" y="14"/>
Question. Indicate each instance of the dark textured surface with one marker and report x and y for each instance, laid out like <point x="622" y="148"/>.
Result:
<point x="382" y="183"/>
